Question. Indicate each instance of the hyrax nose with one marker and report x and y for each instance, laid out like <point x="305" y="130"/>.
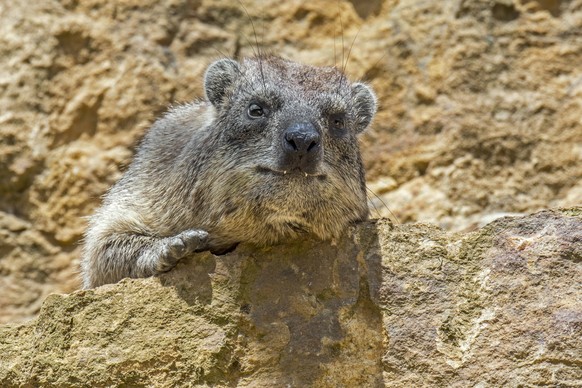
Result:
<point x="301" y="139"/>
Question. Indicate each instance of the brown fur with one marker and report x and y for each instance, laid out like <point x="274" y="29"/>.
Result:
<point x="208" y="176"/>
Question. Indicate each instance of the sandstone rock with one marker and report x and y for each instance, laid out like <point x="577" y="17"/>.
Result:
<point x="479" y="114"/>
<point x="390" y="306"/>
<point x="481" y="103"/>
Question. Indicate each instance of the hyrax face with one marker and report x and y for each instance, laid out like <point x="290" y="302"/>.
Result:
<point x="290" y="130"/>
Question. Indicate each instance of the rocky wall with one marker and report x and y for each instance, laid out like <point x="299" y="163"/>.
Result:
<point x="480" y="107"/>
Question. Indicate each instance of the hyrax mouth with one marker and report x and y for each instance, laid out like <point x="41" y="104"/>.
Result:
<point x="291" y="173"/>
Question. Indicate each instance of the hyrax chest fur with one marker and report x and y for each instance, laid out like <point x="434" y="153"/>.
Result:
<point x="270" y="155"/>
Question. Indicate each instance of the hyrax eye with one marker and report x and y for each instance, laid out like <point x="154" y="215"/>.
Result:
<point x="255" y="111"/>
<point x="337" y="124"/>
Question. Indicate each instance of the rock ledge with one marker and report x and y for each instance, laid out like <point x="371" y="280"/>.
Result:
<point x="386" y="306"/>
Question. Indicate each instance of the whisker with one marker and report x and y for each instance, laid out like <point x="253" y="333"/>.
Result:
<point x="345" y="65"/>
<point x="374" y="66"/>
<point x="334" y="53"/>
<point x="384" y="203"/>
<point x="342" y="38"/>
<point x="258" y="54"/>
<point x="375" y="207"/>
<point x="251" y="20"/>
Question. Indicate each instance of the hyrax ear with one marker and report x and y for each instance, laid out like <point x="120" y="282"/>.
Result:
<point x="364" y="105"/>
<point x="219" y="76"/>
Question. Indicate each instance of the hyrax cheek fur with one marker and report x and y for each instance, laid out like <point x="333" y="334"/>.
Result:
<point x="270" y="155"/>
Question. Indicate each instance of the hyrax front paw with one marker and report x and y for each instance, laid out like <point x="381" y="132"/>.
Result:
<point x="187" y="242"/>
<point x="177" y="247"/>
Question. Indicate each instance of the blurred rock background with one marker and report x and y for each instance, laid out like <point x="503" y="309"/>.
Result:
<point x="480" y="107"/>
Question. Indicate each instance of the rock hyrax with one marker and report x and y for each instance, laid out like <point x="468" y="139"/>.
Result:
<point x="270" y="155"/>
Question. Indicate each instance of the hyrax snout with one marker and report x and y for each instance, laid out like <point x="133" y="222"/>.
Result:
<point x="270" y="155"/>
<point x="302" y="148"/>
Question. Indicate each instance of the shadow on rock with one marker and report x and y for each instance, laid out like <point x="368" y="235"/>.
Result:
<point x="306" y="311"/>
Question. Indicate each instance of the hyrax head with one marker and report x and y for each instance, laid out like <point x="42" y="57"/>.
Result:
<point x="292" y="129"/>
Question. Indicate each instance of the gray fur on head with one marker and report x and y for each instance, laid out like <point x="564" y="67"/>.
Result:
<point x="364" y="104"/>
<point x="218" y="78"/>
<point x="271" y="155"/>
